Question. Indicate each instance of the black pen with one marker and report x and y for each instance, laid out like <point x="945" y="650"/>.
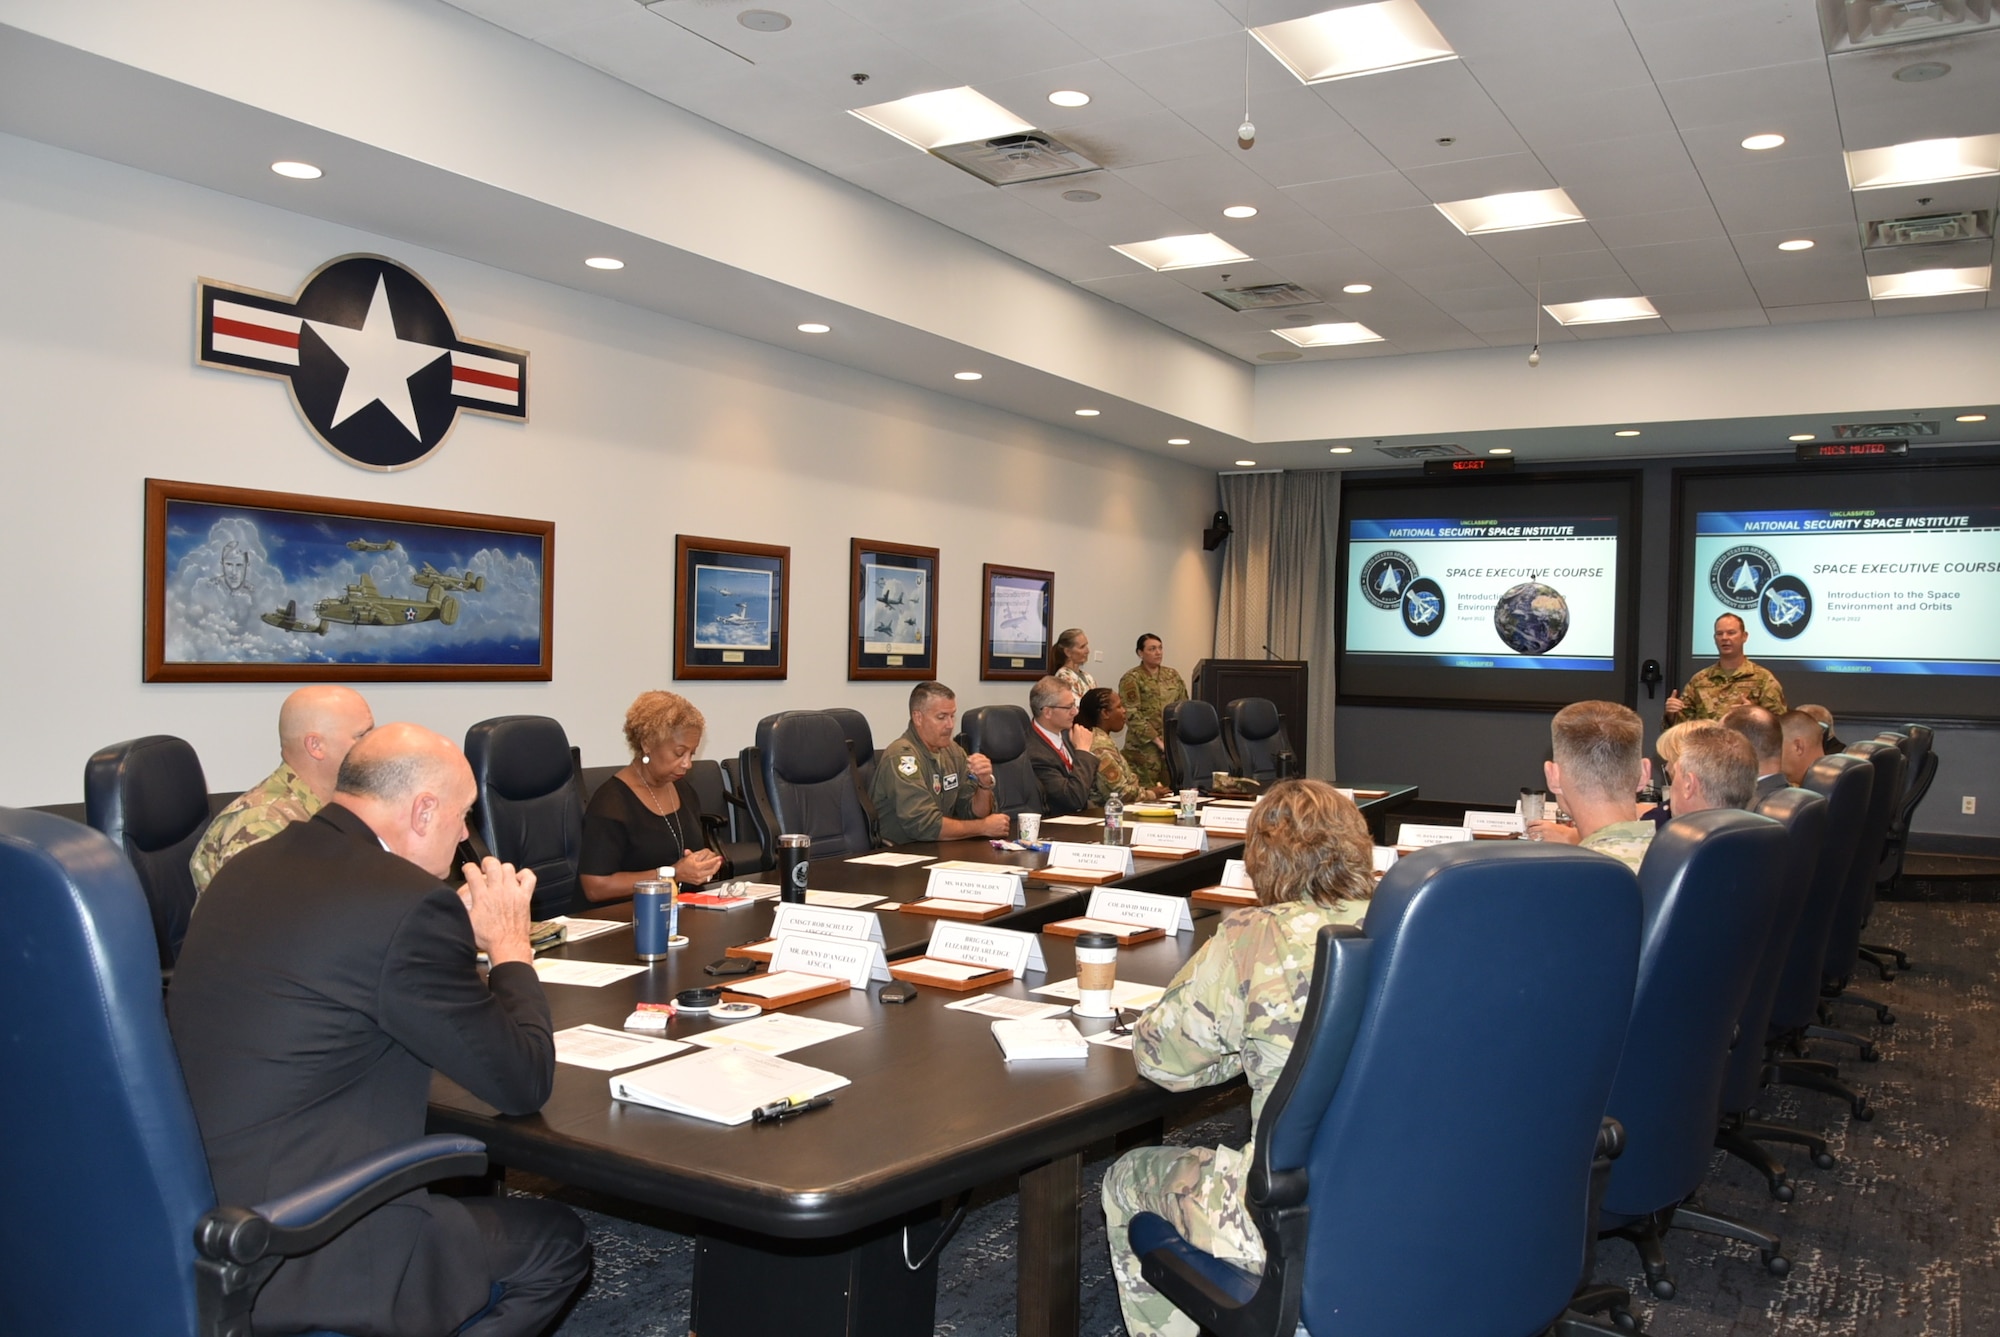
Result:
<point x="780" y="1110"/>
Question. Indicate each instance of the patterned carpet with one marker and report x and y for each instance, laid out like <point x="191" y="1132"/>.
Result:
<point x="1901" y="1239"/>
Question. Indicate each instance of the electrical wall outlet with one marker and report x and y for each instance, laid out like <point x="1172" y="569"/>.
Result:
<point x="1969" y="805"/>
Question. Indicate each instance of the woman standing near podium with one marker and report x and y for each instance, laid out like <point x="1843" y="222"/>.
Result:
<point x="1147" y="689"/>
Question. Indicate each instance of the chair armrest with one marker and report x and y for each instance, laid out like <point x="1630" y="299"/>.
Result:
<point x="1221" y="1297"/>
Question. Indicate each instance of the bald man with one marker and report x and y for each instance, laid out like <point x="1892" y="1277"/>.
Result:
<point x="1761" y="729"/>
<point x="310" y="1008"/>
<point x="316" y="727"/>
<point x="1805" y="743"/>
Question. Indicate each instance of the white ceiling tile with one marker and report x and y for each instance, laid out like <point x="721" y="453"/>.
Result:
<point x="1618" y="195"/>
<point x="1512" y="301"/>
<point x="1717" y="318"/>
<point x="1521" y="251"/>
<point x="1119" y="27"/>
<point x="1639" y="155"/>
<point x="1377" y="192"/>
<point x="1111" y="95"/>
<point x="1482" y="176"/>
<point x="1781" y="98"/>
<point x="1122" y="214"/>
<point x="1812" y="311"/>
<point x="1620" y="329"/>
<point x="1582" y="62"/>
<point x="1288" y="163"/>
<point x="1794" y="192"/>
<point x="1761" y="248"/>
<point x="1129" y="141"/>
<point x="1876" y="109"/>
<point x="1720" y="148"/>
<point x="1439" y="341"/>
<point x="1404" y="113"/>
<point x="1005" y="42"/>
<point x="1409" y="237"/>
<point x="1678" y="43"/>
<point x="1654" y="267"/>
<point x="1472" y="274"/>
<point x="1653" y="229"/>
<point x="1550" y="118"/>
<point x="1276" y="236"/>
<point x="538" y="19"/>
<point x="1834" y="279"/>
<point x="1201" y="70"/>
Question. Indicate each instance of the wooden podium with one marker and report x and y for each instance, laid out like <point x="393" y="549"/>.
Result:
<point x="1280" y="681"/>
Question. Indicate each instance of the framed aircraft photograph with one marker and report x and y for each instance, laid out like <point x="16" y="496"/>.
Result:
<point x="245" y="586"/>
<point x="891" y="612"/>
<point x="731" y="608"/>
<point x="1014" y="608"/>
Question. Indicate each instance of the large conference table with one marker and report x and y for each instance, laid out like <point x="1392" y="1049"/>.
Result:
<point x="812" y="1225"/>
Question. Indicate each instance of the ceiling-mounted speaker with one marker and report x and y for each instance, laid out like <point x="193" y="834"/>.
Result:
<point x="1217" y="531"/>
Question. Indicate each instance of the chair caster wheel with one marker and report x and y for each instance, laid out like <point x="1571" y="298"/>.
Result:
<point x="1824" y="1160"/>
<point x="1885" y="1016"/>
<point x="1777" y="1264"/>
<point x="1662" y="1288"/>
<point x="1862" y="1114"/>
<point x="1781" y="1191"/>
<point x="1869" y="1054"/>
<point x="1624" y="1319"/>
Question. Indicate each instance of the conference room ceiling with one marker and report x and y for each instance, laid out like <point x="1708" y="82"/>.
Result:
<point x="1636" y="110"/>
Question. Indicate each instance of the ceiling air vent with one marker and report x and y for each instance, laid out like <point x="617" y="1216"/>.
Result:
<point x="1427" y="452"/>
<point x="1264" y="297"/>
<point x="1857" y="25"/>
<point x="1968" y="225"/>
<point x="1878" y="431"/>
<point x="1011" y="159"/>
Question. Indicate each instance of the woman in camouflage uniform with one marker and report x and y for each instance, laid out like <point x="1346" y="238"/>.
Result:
<point x="1148" y="689"/>
<point x="1235" y="1008"/>
<point x="1103" y="713"/>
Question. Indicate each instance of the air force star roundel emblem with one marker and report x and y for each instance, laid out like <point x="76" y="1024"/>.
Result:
<point x="375" y="367"/>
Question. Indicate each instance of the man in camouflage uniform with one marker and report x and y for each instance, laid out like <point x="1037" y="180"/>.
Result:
<point x="1732" y="681"/>
<point x="316" y="727"/>
<point x="1597" y="771"/>
<point x="926" y="787"/>
<point x="1148" y="690"/>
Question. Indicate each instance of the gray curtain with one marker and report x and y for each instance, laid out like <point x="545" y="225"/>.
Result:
<point x="1277" y="585"/>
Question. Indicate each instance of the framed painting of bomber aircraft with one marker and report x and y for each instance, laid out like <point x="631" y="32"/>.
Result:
<point x="245" y="586"/>
<point x="891" y="612"/>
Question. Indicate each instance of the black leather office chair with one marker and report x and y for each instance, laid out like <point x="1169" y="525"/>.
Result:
<point x="115" y="1229"/>
<point x="1857" y="900"/>
<point x="149" y="796"/>
<point x="1000" y="733"/>
<point x="1920" y="763"/>
<point x="805" y="782"/>
<point x="1195" y="750"/>
<point x="1710" y="884"/>
<point x="1440" y="1111"/>
<point x="860" y="743"/>
<point x="718" y="821"/>
<point x="530" y="809"/>
<point x="1255" y="735"/>
<point x="1803" y="815"/>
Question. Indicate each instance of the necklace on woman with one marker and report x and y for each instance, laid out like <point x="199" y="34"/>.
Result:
<point x="680" y="836"/>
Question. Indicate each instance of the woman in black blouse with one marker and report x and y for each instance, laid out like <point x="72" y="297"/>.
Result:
<point x="645" y="817"/>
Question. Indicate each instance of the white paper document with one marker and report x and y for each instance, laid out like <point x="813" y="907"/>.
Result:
<point x="890" y="859"/>
<point x="1420" y="834"/>
<point x="772" y="1033"/>
<point x="843" y="900"/>
<point x="1071" y="819"/>
<point x="971" y="866"/>
<point x="1088" y="924"/>
<point x="955" y="905"/>
<point x="609" y="1050"/>
<point x="1111" y="1039"/>
<point x="588" y="974"/>
<point x="1020" y="1040"/>
<point x="723" y="1085"/>
<point x="1124" y="993"/>
<point x="778" y="984"/>
<point x="583" y="930"/>
<point x="950" y="972"/>
<point x="1011" y="1009"/>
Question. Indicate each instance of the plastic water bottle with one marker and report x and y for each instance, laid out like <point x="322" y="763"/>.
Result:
<point x="1114" y="818"/>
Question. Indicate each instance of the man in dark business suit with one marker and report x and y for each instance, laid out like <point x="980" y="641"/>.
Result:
<point x="1059" y="748"/>
<point x="331" y="973"/>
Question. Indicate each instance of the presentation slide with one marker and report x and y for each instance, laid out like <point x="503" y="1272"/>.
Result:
<point x="1486" y="594"/>
<point x="1864" y="590"/>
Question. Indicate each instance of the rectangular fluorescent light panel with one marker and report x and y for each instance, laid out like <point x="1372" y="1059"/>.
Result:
<point x="1925" y="160"/>
<point x="1929" y="283"/>
<point x="1189" y="252"/>
<point x="1361" y="39"/>
<point x="1603" y="311"/>
<point x="1513" y="212"/>
<point x="949" y="116"/>
<point x="1330" y="335"/>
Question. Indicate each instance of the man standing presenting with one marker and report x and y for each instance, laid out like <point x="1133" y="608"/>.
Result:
<point x="316" y="727"/>
<point x="1732" y="681"/>
<point x="309" y="1011"/>
<point x="926" y="787"/>
<point x="1059" y="749"/>
<point x="1596" y="773"/>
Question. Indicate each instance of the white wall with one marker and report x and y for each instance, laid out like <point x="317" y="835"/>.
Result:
<point x="643" y="427"/>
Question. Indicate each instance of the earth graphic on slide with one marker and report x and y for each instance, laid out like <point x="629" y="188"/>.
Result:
<point x="1531" y="618"/>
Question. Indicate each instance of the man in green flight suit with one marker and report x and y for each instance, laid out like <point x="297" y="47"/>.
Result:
<point x="1731" y="682"/>
<point x="926" y="787"/>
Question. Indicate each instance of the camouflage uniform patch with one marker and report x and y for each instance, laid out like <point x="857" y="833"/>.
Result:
<point x="256" y="815"/>
<point x="1146" y="695"/>
<point x="1713" y="692"/>
<point x="1233" y="1008"/>
<point x="1626" y="842"/>
<point x="1112" y="771"/>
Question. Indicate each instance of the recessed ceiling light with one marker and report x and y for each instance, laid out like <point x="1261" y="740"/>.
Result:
<point x="1086" y="413"/>
<point x="764" y="20"/>
<point x="1971" y="417"/>
<point x="1929" y="283"/>
<point x="968" y="376"/>
<point x="1757" y="143"/>
<point x="1340" y="450"/>
<point x="1178" y="441"/>
<point x="814" y="327"/>
<point x="1082" y="196"/>
<point x="1240" y="211"/>
<point x="1245" y="464"/>
<point x="297" y="171"/>
<point x="1800" y="436"/>
<point x="1796" y="244"/>
<point x="1329" y="335"/>
<point x="1359" y="288"/>
<point x="1603" y="311"/>
<point x="1924" y="160"/>
<point x="949" y="116"/>
<point x="1511" y="212"/>
<point x="1069" y="97"/>
<point x="1922" y="72"/>
<point x="1629" y="431"/>
<point x="1499" y="450"/>
<point x="604" y="262"/>
<point x="1361" y="39"/>
<point x="1190" y="252"/>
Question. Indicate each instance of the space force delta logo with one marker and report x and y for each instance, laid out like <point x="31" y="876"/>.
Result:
<point x="376" y="368"/>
